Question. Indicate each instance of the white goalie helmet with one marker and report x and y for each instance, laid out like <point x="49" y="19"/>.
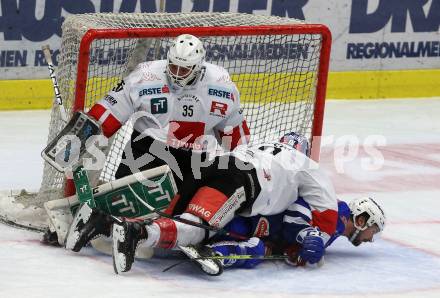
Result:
<point x="372" y="208"/>
<point x="185" y="58"/>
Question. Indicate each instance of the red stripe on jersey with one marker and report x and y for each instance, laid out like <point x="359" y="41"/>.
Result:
<point x="326" y="221"/>
<point x="110" y="126"/>
<point x="232" y="139"/>
<point x="168" y="233"/>
<point x="184" y="133"/>
<point x="97" y="111"/>
<point x="247" y="133"/>
<point x="206" y="203"/>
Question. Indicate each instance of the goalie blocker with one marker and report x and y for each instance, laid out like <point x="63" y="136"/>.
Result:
<point x="67" y="148"/>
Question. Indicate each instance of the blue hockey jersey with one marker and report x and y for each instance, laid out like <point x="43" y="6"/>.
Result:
<point x="284" y="227"/>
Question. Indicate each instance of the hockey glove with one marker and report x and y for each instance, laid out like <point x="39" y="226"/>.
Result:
<point x="254" y="247"/>
<point x="312" y="241"/>
<point x="293" y="258"/>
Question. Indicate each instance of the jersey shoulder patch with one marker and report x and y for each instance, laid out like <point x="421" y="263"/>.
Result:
<point x="150" y="71"/>
<point x="216" y="74"/>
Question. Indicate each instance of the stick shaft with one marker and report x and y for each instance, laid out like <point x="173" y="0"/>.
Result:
<point x="56" y="89"/>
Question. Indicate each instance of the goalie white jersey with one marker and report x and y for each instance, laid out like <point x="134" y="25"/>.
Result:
<point x="183" y="117"/>
<point x="284" y="175"/>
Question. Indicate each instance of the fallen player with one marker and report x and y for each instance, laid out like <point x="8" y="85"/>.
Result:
<point x="261" y="180"/>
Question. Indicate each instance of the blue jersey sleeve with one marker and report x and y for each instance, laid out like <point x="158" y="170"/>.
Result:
<point x="343" y="211"/>
<point x="296" y="218"/>
<point x="285" y="226"/>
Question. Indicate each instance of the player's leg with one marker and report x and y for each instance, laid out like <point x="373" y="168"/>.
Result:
<point x="113" y="198"/>
<point x="214" y="204"/>
<point x="89" y="224"/>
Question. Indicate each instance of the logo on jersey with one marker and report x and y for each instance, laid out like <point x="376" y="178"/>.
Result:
<point x="159" y="105"/>
<point x="218" y="109"/>
<point x="188" y="97"/>
<point x="222" y="93"/>
<point x="154" y="90"/>
<point x="199" y="210"/>
<point x="110" y="99"/>
<point x="119" y="86"/>
<point x="149" y="76"/>
<point x="262" y="229"/>
<point x="224" y="79"/>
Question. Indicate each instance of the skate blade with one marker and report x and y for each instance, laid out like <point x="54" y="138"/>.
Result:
<point x="119" y="260"/>
<point x="72" y="237"/>
<point x="208" y="266"/>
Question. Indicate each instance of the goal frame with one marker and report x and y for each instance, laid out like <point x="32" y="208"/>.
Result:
<point x="320" y="29"/>
<point x="126" y="33"/>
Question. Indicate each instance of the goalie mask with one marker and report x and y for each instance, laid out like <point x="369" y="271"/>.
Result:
<point x="373" y="213"/>
<point x="184" y="60"/>
<point x="297" y="141"/>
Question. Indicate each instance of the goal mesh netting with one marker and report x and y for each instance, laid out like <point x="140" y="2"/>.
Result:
<point x="278" y="64"/>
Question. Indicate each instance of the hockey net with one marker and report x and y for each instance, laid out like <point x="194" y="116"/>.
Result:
<point x="279" y="65"/>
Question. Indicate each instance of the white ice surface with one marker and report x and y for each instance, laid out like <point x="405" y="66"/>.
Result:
<point x="405" y="262"/>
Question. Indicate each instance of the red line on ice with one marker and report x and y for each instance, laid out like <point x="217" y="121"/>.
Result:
<point x="414" y="222"/>
<point x="404" y="244"/>
<point x="407" y="167"/>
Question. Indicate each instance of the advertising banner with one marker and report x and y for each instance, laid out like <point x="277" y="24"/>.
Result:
<point x="367" y="34"/>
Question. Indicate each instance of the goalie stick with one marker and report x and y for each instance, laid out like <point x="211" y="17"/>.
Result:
<point x="56" y="89"/>
<point x="58" y="152"/>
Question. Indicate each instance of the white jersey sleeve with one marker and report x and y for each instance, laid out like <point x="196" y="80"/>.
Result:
<point x="284" y="174"/>
<point x="317" y="190"/>
<point x="232" y="130"/>
<point x="117" y="106"/>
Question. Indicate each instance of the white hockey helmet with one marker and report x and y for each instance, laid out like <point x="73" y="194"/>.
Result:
<point x="372" y="209"/>
<point x="185" y="58"/>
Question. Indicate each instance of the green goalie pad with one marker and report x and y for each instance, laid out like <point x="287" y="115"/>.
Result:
<point x="155" y="186"/>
